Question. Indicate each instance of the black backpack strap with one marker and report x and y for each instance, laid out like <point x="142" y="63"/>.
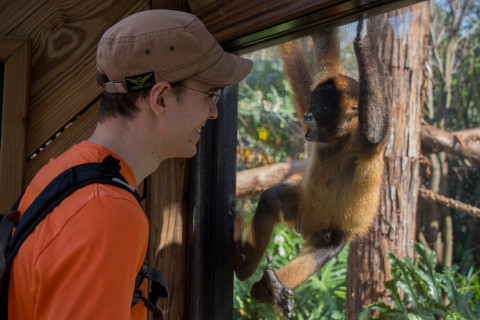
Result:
<point x="8" y="221"/>
<point x="158" y="288"/>
<point x="72" y="179"/>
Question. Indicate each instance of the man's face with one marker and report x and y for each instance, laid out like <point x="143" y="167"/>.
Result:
<point x="189" y="114"/>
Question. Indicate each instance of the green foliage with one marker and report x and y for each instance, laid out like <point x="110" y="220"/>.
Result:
<point x="266" y="114"/>
<point x="321" y="297"/>
<point x="417" y="291"/>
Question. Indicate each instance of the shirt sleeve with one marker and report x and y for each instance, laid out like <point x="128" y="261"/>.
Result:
<point x="88" y="271"/>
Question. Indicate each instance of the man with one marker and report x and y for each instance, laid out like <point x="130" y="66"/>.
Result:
<point x="161" y="71"/>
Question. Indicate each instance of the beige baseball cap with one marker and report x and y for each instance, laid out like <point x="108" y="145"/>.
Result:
<point x="164" y="45"/>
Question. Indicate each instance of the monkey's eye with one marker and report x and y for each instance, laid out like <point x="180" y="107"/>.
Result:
<point x="355" y="107"/>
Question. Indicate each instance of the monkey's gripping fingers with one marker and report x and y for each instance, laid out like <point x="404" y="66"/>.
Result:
<point x="238" y="224"/>
<point x="238" y="227"/>
<point x="270" y="289"/>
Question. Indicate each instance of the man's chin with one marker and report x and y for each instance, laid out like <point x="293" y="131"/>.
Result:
<point x="191" y="153"/>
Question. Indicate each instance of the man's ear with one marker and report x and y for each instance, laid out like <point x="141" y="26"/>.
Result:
<point x="157" y="96"/>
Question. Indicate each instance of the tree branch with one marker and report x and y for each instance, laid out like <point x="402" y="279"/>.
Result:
<point x="463" y="143"/>
<point x="259" y="179"/>
<point x="449" y="202"/>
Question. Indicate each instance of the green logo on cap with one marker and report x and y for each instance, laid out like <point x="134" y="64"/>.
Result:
<point x="140" y="81"/>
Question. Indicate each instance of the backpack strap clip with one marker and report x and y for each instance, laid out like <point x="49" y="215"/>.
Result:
<point x="110" y="167"/>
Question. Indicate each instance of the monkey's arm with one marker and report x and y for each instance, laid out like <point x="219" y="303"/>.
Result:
<point x="372" y="105"/>
<point x="298" y="74"/>
<point x="327" y="52"/>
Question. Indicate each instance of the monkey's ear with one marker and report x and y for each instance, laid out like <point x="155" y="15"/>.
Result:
<point x="355" y="107"/>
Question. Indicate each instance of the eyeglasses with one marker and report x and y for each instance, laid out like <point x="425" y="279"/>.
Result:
<point x="215" y="96"/>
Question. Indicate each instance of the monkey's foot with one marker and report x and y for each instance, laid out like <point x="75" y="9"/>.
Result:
<point x="270" y="290"/>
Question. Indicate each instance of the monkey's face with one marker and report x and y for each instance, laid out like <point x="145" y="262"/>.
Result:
<point x="333" y="111"/>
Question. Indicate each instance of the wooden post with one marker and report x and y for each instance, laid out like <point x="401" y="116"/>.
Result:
<point x="15" y="55"/>
<point x="211" y="284"/>
<point x="168" y="218"/>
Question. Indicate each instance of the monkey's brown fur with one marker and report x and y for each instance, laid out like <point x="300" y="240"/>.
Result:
<point x="338" y="198"/>
<point x="345" y="196"/>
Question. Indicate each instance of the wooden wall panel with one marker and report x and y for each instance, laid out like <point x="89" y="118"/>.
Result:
<point x="77" y="131"/>
<point x="166" y="209"/>
<point x="179" y="5"/>
<point x="14" y="12"/>
<point x="65" y="35"/>
<point x="15" y="54"/>
<point x="229" y="20"/>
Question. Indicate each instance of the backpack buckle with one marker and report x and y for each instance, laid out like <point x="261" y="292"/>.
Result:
<point x="137" y="296"/>
<point x="150" y="306"/>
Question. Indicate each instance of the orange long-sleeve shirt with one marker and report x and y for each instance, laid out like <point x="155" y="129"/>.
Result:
<point x="82" y="259"/>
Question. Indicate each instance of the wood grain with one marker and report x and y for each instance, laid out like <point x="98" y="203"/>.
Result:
<point x="9" y="46"/>
<point x="76" y="132"/>
<point x="65" y="35"/>
<point x="179" y="5"/>
<point x="168" y="233"/>
<point x="229" y="20"/>
<point x="14" y="12"/>
<point x="14" y="113"/>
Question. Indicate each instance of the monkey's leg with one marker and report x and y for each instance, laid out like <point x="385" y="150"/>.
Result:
<point x="275" y="204"/>
<point x="319" y="248"/>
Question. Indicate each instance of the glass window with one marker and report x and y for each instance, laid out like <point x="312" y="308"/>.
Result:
<point x="428" y="72"/>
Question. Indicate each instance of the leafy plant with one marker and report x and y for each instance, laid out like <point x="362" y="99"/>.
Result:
<point x="417" y="291"/>
<point x="267" y="119"/>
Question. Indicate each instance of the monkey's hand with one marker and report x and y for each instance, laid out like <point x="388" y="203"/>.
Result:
<point x="270" y="290"/>
<point x="238" y="227"/>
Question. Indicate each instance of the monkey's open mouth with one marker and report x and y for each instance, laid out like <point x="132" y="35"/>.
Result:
<point x="311" y="135"/>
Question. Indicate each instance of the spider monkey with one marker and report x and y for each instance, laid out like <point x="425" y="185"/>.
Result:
<point x="338" y="198"/>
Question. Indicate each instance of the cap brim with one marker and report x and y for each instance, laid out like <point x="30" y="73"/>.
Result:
<point x="230" y="69"/>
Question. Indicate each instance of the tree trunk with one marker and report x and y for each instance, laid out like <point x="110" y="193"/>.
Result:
<point x="394" y="230"/>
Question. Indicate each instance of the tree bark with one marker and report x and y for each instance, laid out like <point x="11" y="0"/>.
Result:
<point x="394" y="229"/>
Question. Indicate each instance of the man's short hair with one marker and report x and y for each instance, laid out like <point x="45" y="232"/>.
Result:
<point x="112" y="105"/>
